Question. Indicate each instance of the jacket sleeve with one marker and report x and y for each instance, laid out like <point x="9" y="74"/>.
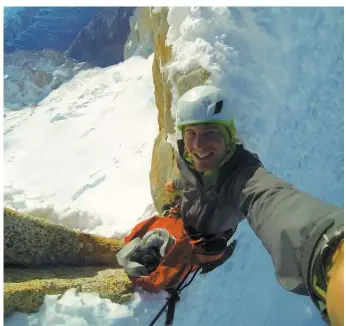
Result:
<point x="289" y="222"/>
<point x="179" y="184"/>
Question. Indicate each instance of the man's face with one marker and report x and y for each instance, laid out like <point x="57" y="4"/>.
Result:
<point x="206" y="145"/>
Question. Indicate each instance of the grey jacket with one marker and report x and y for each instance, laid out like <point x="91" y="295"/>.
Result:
<point x="289" y="222"/>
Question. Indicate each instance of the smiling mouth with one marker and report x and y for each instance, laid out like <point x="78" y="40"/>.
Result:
<point x="204" y="156"/>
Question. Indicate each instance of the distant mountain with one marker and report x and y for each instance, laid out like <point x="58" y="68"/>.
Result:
<point x="46" y="46"/>
<point x="29" y="76"/>
<point x="102" y="41"/>
<point x="38" y="28"/>
<point x="93" y="34"/>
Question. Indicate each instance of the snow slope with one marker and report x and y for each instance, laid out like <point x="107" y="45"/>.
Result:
<point x="86" y="149"/>
<point x="30" y="76"/>
<point x="77" y="147"/>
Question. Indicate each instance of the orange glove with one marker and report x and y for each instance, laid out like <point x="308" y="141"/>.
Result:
<point x="335" y="289"/>
<point x="169" y="187"/>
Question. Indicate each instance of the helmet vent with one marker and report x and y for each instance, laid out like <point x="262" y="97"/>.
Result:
<point x="218" y="107"/>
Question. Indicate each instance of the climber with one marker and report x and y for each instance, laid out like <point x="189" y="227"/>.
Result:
<point x="223" y="183"/>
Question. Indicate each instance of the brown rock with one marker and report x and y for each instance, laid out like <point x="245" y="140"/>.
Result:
<point x="42" y="258"/>
<point x="42" y="78"/>
<point x="196" y="77"/>
<point x="33" y="241"/>
<point x="163" y="167"/>
<point x="25" y="289"/>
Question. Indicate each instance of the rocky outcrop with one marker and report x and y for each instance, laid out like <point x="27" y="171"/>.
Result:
<point x="25" y="289"/>
<point x="41" y="258"/>
<point x="101" y="42"/>
<point x="33" y="241"/>
<point x="163" y="153"/>
<point x="31" y="76"/>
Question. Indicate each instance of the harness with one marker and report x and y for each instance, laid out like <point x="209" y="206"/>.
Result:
<point x="205" y="247"/>
<point x="173" y="298"/>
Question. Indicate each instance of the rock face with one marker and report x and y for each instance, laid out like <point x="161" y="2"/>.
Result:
<point x="102" y="41"/>
<point x="25" y="289"/>
<point x="33" y="241"/>
<point x="31" y="76"/>
<point x="42" y="258"/>
<point x="163" y="167"/>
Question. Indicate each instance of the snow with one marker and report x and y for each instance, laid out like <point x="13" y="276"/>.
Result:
<point x="93" y="123"/>
<point x="82" y="156"/>
<point x="31" y="75"/>
<point x="285" y="89"/>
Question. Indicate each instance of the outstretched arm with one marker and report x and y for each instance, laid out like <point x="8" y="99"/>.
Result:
<point x="291" y="224"/>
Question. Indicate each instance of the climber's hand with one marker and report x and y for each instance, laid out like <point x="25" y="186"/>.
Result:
<point x="335" y="289"/>
<point x="169" y="187"/>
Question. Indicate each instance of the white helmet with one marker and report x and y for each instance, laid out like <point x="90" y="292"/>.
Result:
<point x="203" y="104"/>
